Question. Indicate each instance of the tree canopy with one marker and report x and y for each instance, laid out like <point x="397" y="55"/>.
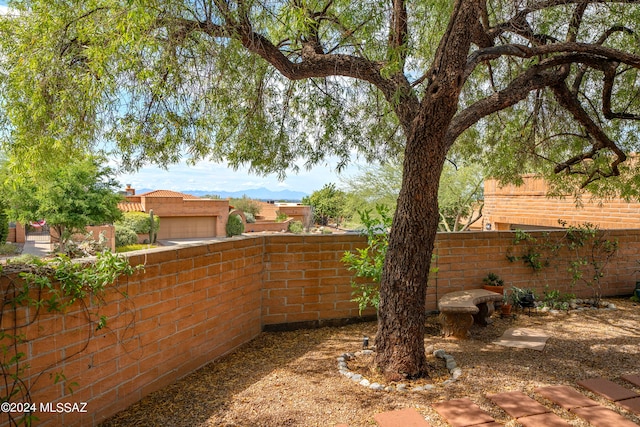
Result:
<point x="548" y="85"/>
<point x="69" y="197"/>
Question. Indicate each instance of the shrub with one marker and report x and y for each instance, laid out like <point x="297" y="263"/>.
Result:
<point x="246" y="205"/>
<point x="281" y="216"/>
<point x="125" y="236"/>
<point x="250" y="218"/>
<point x="9" y="249"/>
<point x="139" y="222"/>
<point x="296" y="227"/>
<point x="4" y="226"/>
<point x="234" y="226"/>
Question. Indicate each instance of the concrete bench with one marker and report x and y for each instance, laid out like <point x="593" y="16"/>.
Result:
<point x="459" y="310"/>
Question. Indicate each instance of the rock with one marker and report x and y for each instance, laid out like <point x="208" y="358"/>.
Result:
<point x="554" y="312"/>
<point x="612" y="306"/>
<point x="401" y="387"/>
<point x="447" y="382"/>
<point x="418" y="388"/>
<point x="429" y="387"/>
<point x="451" y="364"/>
<point x="440" y="353"/>
<point x="429" y="349"/>
<point x="456" y="373"/>
<point x="376" y="386"/>
<point x="356" y="378"/>
<point x="342" y="365"/>
<point x="388" y="388"/>
<point x="367" y="351"/>
<point x="341" y="359"/>
<point x="364" y="382"/>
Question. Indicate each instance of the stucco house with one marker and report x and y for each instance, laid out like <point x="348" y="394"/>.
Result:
<point x="181" y="215"/>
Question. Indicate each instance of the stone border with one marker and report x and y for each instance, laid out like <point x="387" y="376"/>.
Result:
<point x="343" y="369"/>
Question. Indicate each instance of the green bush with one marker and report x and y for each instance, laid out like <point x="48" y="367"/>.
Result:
<point x="4" y="226"/>
<point x="139" y="222"/>
<point x="125" y="236"/>
<point x="234" y="226"/>
<point x="296" y="227"/>
<point x="246" y="205"/>
<point x="9" y="249"/>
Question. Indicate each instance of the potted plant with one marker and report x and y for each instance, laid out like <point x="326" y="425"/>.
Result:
<point x="523" y="297"/>
<point x="493" y="283"/>
<point x="506" y="306"/>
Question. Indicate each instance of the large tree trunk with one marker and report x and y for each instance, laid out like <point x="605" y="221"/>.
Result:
<point x="403" y="290"/>
<point x="403" y="287"/>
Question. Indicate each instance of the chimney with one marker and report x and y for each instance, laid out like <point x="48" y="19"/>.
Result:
<point x="130" y="191"/>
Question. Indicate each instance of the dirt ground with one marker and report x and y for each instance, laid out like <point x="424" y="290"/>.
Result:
<point x="291" y="378"/>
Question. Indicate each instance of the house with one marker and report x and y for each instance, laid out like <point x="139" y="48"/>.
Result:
<point x="181" y="215"/>
<point x="527" y="207"/>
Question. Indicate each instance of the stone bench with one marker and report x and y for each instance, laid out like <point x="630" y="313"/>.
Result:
<point x="459" y="310"/>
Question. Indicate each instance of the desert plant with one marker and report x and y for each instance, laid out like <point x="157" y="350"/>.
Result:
<point x="493" y="279"/>
<point x="125" y="236"/>
<point x="249" y="217"/>
<point x="234" y="226"/>
<point x="296" y="227"/>
<point x="281" y="216"/>
<point x="139" y="222"/>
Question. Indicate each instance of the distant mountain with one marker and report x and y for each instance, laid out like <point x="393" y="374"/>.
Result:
<point x="254" y="193"/>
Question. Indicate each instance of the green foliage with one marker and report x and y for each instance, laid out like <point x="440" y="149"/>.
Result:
<point x="246" y="205"/>
<point x="235" y="226"/>
<point x="459" y="196"/>
<point x="555" y="299"/>
<point x="68" y="196"/>
<point x="296" y="227"/>
<point x="50" y="286"/>
<point x="139" y="222"/>
<point x="590" y="251"/>
<point x="134" y="247"/>
<point x="125" y="236"/>
<point x="250" y="218"/>
<point x="4" y="225"/>
<point x="327" y="203"/>
<point x="281" y="216"/>
<point x="367" y="263"/>
<point x="9" y="249"/>
<point x="493" y="279"/>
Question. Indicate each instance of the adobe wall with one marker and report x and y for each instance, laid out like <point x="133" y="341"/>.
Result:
<point x="193" y="304"/>
<point x="528" y="204"/>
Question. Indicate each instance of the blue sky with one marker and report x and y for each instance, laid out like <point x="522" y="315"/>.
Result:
<point x="214" y="176"/>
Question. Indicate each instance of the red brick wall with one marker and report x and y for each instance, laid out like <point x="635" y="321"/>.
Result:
<point x="193" y="304"/>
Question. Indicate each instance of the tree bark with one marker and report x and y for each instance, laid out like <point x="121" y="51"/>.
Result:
<point x="403" y="288"/>
<point x="401" y="319"/>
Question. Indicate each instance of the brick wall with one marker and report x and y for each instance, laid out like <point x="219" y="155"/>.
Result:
<point x="193" y="304"/>
<point x="528" y="204"/>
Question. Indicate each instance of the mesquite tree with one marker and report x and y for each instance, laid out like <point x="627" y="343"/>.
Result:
<point x="544" y="85"/>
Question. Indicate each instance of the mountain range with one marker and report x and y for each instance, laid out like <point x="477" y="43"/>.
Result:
<point x="254" y="193"/>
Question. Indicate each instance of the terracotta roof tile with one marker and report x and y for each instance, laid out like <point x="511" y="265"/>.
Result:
<point x="168" y="193"/>
<point x="130" y="207"/>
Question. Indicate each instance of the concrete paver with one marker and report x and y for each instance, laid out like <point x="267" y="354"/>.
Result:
<point x="608" y="389"/>
<point x="543" y="420"/>
<point x="565" y="396"/>
<point x="462" y="413"/>
<point x="631" y="405"/>
<point x="407" y="417"/>
<point x="518" y="404"/>
<point x="599" y="416"/>
<point x="633" y="379"/>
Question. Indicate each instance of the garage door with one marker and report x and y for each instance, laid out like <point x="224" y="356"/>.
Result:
<point x="187" y="227"/>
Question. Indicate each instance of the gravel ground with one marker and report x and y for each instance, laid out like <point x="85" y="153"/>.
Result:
<point x="291" y="379"/>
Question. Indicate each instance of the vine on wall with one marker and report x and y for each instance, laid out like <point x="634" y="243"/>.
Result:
<point x="49" y="287"/>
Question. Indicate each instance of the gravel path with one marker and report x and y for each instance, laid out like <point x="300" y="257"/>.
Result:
<point x="292" y="379"/>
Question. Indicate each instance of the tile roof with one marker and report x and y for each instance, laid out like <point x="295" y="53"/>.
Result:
<point x="130" y="207"/>
<point x="168" y="193"/>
